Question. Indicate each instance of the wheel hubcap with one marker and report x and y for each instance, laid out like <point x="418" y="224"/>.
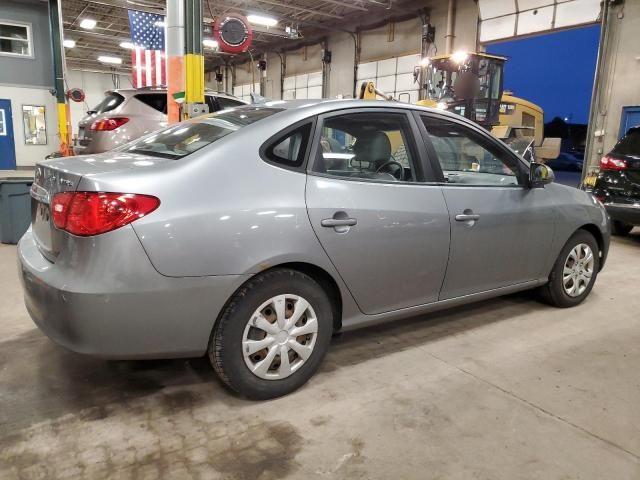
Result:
<point x="279" y="337"/>
<point x="578" y="270"/>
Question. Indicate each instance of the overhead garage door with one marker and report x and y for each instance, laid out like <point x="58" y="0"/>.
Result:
<point x="304" y="85"/>
<point x="503" y="19"/>
<point x="392" y="76"/>
<point x="244" y="91"/>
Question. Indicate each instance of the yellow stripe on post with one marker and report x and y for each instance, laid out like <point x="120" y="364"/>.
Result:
<point x="194" y="78"/>
<point x="62" y="121"/>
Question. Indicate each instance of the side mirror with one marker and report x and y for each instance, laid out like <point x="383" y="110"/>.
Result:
<point x="540" y="175"/>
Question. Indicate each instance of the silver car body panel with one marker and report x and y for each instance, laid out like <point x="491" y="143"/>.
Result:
<point x="156" y="287"/>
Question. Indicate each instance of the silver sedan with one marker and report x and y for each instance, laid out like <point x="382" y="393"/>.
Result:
<point x="253" y="234"/>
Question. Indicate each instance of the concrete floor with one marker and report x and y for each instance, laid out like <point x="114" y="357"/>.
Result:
<point x="505" y="389"/>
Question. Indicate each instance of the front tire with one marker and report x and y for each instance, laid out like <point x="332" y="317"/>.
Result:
<point x="574" y="272"/>
<point x="273" y="334"/>
<point x="620" y="229"/>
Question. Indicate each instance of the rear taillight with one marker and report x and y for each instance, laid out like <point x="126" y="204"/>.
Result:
<point x="610" y="163"/>
<point x="93" y="213"/>
<point x="108" y="124"/>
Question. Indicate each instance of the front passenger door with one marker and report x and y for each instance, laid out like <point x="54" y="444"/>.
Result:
<point x="501" y="229"/>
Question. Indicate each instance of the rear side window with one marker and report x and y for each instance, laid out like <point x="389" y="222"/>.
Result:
<point x="630" y="144"/>
<point x="111" y="101"/>
<point x="228" y="103"/>
<point x="157" y="101"/>
<point x="289" y="150"/>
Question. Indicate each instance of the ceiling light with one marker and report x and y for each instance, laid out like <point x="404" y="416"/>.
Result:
<point x="128" y="45"/>
<point x="108" y="59"/>
<point x="209" y="43"/>
<point x="68" y="43"/>
<point x="261" y="20"/>
<point x="88" y="23"/>
<point x="459" y="56"/>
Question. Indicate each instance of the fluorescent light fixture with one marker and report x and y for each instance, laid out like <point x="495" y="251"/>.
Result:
<point x="68" y="43"/>
<point x="160" y="24"/>
<point x="128" y="45"/>
<point x="108" y="59"/>
<point x="88" y="23"/>
<point x="262" y="20"/>
<point x="209" y="43"/>
<point x="459" y="56"/>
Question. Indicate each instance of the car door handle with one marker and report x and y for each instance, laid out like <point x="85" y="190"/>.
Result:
<point x="338" y="222"/>
<point x="467" y="217"/>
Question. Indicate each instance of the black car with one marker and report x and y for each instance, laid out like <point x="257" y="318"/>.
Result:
<point x="618" y="183"/>
<point x="566" y="161"/>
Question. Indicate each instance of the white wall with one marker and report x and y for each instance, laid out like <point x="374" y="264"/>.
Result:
<point x="376" y="44"/>
<point x="28" y="155"/>
<point x="94" y="86"/>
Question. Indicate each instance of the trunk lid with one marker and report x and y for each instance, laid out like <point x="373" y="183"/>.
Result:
<point x="63" y="175"/>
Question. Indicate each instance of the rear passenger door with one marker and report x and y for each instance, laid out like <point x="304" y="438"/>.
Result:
<point x="501" y="229"/>
<point x="386" y="230"/>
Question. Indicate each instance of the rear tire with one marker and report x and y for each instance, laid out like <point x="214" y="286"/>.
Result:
<point x="574" y="272"/>
<point x="267" y="360"/>
<point x="620" y="229"/>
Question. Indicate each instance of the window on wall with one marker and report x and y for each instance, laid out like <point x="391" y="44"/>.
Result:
<point x="245" y="90"/>
<point x="392" y="76"/>
<point x="305" y="85"/>
<point x="15" y="39"/>
<point x="35" y="124"/>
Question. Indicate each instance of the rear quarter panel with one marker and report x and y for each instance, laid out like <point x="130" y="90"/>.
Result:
<point x="223" y="210"/>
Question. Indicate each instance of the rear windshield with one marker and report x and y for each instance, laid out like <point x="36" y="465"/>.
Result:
<point x="630" y="144"/>
<point x="111" y="101"/>
<point x="183" y="139"/>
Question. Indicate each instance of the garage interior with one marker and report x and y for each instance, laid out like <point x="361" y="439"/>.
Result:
<point x="506" y="388"/>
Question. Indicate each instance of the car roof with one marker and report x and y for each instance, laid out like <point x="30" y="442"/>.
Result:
<point x="309" y="107"/>
<point x="136" y="91"/>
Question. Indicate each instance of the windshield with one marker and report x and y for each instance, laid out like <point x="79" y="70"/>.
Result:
<point x="110" y="102"/>
<point x="185" y="138"/>
<point x="630" y="144"/>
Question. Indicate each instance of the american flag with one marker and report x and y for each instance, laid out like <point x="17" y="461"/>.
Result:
<point x="147" y="58"/>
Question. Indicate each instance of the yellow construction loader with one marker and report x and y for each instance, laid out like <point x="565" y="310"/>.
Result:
<point x="471" y="85"/>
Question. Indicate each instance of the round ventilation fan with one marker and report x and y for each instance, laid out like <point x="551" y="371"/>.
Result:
<point x="233" y="33"/>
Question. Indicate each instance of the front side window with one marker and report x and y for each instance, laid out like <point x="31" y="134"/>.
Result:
<point x="371" y="146"/>
<point x="182" y="139"/>
<point x="467" y="158"/>
<point x="15" y="39"/>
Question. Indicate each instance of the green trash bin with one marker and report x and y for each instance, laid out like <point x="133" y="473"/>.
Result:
<point x="15" y="208"/>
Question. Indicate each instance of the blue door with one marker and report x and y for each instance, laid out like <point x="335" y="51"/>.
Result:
<point x="7" y="146"/>
<point x="630" y="118"/>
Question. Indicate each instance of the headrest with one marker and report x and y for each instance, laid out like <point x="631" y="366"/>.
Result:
<point x="372" y="147"/>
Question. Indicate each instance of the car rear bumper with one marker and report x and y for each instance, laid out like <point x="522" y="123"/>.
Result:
<point x="115" y="305"/>
<point x="625" y="213"/>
